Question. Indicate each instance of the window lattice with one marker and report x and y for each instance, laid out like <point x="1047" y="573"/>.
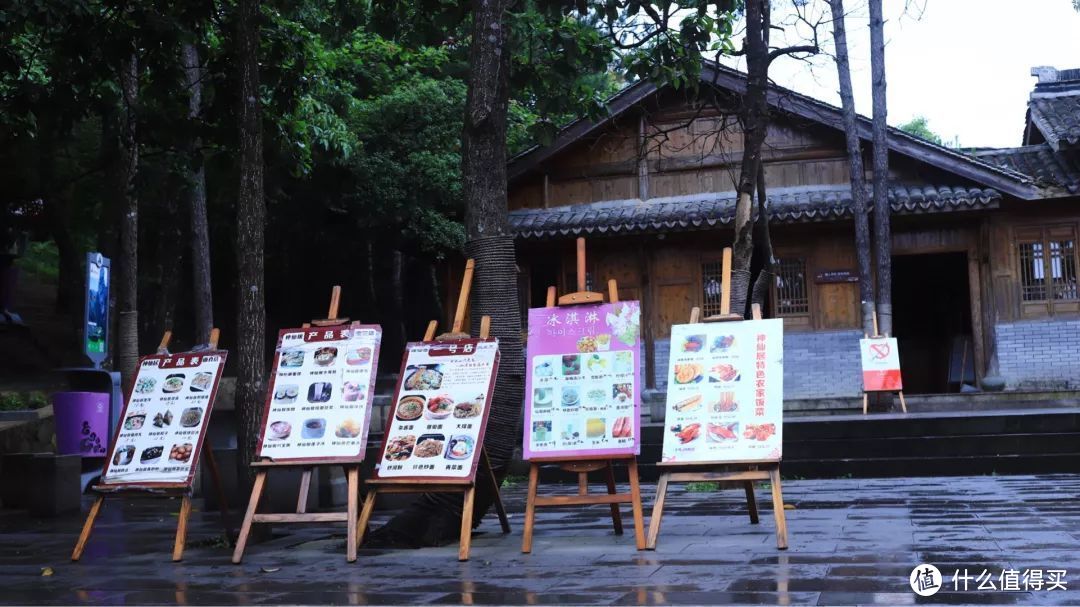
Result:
<point x="791" y="294"/>
<point x="711" y="288"/>
<point x="1048" y="265"/>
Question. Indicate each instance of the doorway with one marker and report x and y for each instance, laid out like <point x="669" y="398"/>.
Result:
<point x="932" y="321"/>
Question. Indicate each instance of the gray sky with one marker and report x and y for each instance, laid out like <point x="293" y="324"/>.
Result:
<point x="964" y="64"/>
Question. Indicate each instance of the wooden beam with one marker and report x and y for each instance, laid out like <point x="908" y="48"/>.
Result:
<point x="642" y="160"/>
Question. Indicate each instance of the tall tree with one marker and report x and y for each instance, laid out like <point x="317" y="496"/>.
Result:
<point x="882" y="211"/>
<point x="127" y="292"/>
<point x="489" y="241"/>
<point x="863" y="254"/>
<point x="202" y="297"/>
<point x="250" y="238"/>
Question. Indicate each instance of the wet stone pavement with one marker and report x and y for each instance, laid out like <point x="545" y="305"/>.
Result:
<point x="853" y="541"/>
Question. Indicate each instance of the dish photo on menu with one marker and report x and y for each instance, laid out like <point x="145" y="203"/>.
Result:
<point x="313" y="428"/>
<point x="145" y="385"/>
<point x="411" y="407"/>
<point x="439" y="407"/>
<point x="400" y="448"/>
<point x="468" y="410"/>
<point x="723" y="373"/>
<point x="429" y="445"/>
<point x="173" y="383"/>
<point x="320" y="392"/>
<point x="542" y="397"/>
<point x="460" y="447"/>
<point x="352" y="391"/>
<point x="191" y="417"/>
<point x="279" y="430"/>
<point x="348" y="429"/>
<point x="151" y="455"/>
<point x="423" y="377"/>
<point x="286" y="394"/>
<point x="325" y="356"/>
<point x="202" y="382"/>
<point x="358" y="356"/>
<point x="291" y="359"/>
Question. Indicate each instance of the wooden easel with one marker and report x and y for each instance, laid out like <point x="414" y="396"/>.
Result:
<point x="263" y="467"/>
<point x="181" y="490"/>
<point x="466" y="486"/>
<point x="877" y="393"/>
<point x="745" y="472"/>
<point x="583" y="465"/>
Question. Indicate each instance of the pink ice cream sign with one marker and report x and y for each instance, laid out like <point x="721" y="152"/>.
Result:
<point x="582" y="382"/>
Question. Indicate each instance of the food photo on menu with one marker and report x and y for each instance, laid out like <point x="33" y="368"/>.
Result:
<point x="439" y="409"/>
<point x="725" y="387"/>
<point x="318" y="403"/>
<point x="582" y="372"/>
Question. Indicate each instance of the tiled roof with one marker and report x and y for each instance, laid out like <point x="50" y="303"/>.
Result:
<point x="1056" y="113"/>
<point x="703" y="211"/>
<point x="1057" y="174"/>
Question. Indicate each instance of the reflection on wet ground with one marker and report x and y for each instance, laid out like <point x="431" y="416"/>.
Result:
<point x="853" y="541"/>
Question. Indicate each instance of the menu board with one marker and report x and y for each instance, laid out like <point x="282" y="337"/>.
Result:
<point x="441" y="407"/>
<point x="164" y="421"/>
<point x="582" y="380"/>
<point x="725" y="392"/>
<point x="319" y="401"/>
<point x="880" y="364"/>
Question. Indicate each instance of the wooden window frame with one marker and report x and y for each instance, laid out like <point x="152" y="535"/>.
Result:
<point x="1044" y="234"/>
<point x="706" y="311"/>
<point x="806" y="317"/>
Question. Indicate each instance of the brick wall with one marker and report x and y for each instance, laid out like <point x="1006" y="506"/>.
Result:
<point x="1039" y="354"/>
<point x="821" y="364"/>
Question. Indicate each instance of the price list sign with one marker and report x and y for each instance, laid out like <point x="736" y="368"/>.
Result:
<point x="441" y="408"/>
<point x="319" y="402"/>
<point x="582" y="382"/>
<point x="725" y="395"/>
<point x="165" y="418"/>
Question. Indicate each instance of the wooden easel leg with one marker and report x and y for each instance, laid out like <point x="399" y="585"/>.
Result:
<point x="751" y="502"/>
<point x="865" y="402"/>
<point x="253" y="505"/>
<point x="365" y="516"/>
<point x="657" y="511"/>
<point x="219" y="489"/>
<point x="616" y="516"/>
<point x="352" y="474"/>
<point x="499" y="507"/>
<point x="778" y="509"/>
<point x="466" y="524"/>
<point x="903" y="403"/>
<point x="305" y="486"/>
<point x="530" y="509"/>
<point x="181" y="529"/>
<point x="635" y="497"/>
<point x="88" y="526"/>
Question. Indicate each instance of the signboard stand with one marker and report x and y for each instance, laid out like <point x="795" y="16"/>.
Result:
<point x="745" y="472"/>
<point x="263" y="467"/>
<point x="448" y="485"/>
<point x="583" y="465"/>
<point x="878" y="393"/>
<point x="181" y="490"/>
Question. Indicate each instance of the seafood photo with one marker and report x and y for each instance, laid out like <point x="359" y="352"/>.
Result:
<point x="686" y="433"/>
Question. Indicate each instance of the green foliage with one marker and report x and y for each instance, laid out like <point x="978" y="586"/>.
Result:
<point x="920" y="127"/>
<point x="22" y="401"/>
<point x="41" y="259"/>
<point x="702" y="487"/>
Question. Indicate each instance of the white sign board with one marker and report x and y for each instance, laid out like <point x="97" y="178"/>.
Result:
<point x="880" y="364"/>
<point x="725" y="392"/>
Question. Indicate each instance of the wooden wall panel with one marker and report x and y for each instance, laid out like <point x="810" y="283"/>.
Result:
<point x="673" y="306"/>
<point x="526" y="195"/>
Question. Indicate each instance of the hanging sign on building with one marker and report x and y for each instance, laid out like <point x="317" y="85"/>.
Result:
<point x="880" y="364"/>
<point x="725" y="397"/>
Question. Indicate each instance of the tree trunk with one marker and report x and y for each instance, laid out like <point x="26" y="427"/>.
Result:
<point x="168" y="262"/>
<point x="767" y="275"/>
<point x="250" y="238"/>
<point x="858" y="175"/>
<point x="881" y="171"/>
<point x="435" y="519"/>
<point x="397" y="298"/>
<point x="202" y="298"/>
<point x="127" y="285"/>
<point x="754" y="116"/>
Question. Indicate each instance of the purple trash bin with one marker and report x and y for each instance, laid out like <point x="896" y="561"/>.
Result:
<point x="82" y="423"/>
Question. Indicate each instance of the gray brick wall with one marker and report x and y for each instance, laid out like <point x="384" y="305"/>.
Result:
<point x="1039" y="354"/>
<point x="819" y="364"/>
<point x="822" y="364"/>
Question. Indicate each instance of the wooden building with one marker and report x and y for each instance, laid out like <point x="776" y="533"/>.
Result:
<point x="984" y="258"/>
